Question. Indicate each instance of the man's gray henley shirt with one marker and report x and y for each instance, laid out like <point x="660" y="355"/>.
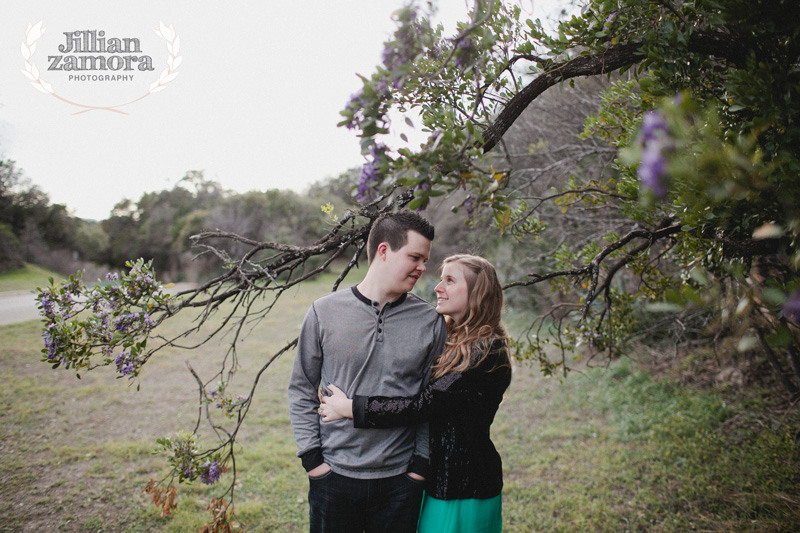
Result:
<point x="348" y="341"/>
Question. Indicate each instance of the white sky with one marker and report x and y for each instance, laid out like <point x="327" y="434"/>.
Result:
<point x="255" y="104"/>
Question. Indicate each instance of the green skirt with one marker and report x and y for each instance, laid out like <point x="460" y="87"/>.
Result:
<point x="461" y="516"/>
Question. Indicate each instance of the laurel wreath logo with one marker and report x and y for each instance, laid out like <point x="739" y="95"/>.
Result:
<point x="166" y="33"/>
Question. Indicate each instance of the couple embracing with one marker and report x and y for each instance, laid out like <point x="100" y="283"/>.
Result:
<point x="399" y="441"/>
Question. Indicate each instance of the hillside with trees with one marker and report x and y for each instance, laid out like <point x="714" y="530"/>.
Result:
<point x="157" y="226"/>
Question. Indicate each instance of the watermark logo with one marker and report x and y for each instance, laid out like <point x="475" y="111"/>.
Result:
<point x="94" y="57"/>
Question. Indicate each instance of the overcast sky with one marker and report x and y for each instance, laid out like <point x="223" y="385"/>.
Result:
<point x="255" y="103"/>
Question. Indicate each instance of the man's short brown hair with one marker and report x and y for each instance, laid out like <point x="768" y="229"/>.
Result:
<point x="393" y="228"/>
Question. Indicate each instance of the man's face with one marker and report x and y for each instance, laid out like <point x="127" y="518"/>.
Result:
<point x="404" y="267"/>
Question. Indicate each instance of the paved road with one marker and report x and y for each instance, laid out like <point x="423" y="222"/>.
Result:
<point x="17" y="306"/>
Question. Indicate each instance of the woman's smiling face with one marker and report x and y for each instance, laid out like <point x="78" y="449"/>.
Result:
<point x="452" y="292"/>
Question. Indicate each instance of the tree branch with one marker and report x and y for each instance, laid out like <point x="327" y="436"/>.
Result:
<point x="721" y="45"/>
<point x="593" y="268"/>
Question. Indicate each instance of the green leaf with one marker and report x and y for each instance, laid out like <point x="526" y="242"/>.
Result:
<point x="664" y="307"/>
<point x="417" y="203"/>
<point x="699" y="275"/>
<point x="408" y="181"/>
<point x="773" y="296"/>
<point x="782" y="337"/>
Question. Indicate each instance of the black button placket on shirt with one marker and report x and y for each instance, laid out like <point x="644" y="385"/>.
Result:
<point x="380" y="314"/>
<point x="379" y="321"/>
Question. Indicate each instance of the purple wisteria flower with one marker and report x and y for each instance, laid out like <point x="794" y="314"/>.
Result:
<point x="465" y="50"/>
<point x="48" y="306"/>
<point x="211" y="472"/>
<point x="125" y="323"/>
<point x="791" y="307"/>
<point x="654" y="125"/>
<point x="423" y="186"/>
<point x="609" y="23"/>
<point x="215" y="394"/>
<point x="126" y="364"/>
<point x="97" y="301"/>
<point x="653" y="169"/>
<point x="469" y="204"/>
<point x="655" y="141"/>
<point x="370" y="176"/>
<point x="367" y="181"/>
<point x="355" y="104"/>
<point x="591" y="337"/>
<point x="50" y="343"/>
<point x="73" y="289"/>
<point x="405" y="46"/>
<point x="394" y="57"/>
<point x="356" y="100"/>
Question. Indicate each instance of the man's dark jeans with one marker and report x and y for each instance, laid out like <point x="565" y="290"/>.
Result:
<point x="340" y="504"/>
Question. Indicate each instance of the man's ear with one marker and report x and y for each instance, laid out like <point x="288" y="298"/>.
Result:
<point x="381" y="251"/>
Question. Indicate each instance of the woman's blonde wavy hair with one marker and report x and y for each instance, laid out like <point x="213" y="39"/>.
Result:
<point x="480" y="323"/>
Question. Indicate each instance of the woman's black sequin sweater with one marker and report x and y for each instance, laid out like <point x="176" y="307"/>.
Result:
<point x="460" y="407"/>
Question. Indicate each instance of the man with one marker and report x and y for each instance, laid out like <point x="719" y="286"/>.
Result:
<point x="377" y="339"/>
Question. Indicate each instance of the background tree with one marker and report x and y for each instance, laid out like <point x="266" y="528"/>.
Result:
<point x="32" y="229"/>
<point x="155" y="225"/>
<point x="10" y="251"/>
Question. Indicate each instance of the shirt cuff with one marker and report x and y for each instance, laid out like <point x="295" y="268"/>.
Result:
<point x="359" y="411"/>
<point x="419" y="465"/>
<point x="312" y="459"/>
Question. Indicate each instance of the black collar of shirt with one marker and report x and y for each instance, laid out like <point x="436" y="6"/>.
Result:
<point x="370" y="302"/>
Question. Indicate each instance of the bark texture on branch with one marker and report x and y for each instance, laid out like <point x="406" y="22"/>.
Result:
<point x="721" y="45"/>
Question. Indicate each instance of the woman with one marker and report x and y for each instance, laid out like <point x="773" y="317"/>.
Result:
<point x="462" y="490"/>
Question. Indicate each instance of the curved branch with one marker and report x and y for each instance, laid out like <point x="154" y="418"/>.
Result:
<point x="536" y="278"/>
<point x="604" y="62"/>
<point x="657" y="235"/>
<point x="593" y="268"/>
<point x="651" y="236"/>
<point x="721" y="45"/>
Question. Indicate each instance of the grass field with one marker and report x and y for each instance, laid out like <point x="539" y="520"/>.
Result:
<point x="606" y="450"/>
<point x="26" y="278"/>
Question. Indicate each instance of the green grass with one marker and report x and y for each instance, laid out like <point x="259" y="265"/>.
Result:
<point x="606" y="450"/>
<point x="26" y="279"/>
<point x="615" y="450"/>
